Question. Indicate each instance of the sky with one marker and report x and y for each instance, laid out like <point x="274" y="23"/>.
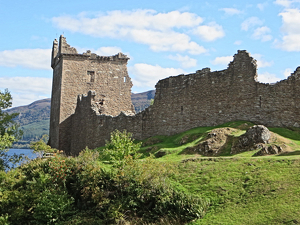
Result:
<point x="162" y="38"/>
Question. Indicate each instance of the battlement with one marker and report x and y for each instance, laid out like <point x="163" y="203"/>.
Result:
<point x="63" y="49"/>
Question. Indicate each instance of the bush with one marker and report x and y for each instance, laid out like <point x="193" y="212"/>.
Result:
<point x="82" y="190"/>
<point x="52" y="206"/>
<point x="146" y="192"/>
<point x="41" y="146"/>
<point x="119" y="147"/>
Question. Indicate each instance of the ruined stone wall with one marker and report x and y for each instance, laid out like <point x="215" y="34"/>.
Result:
<point x="201" y="99"/>
<point x="75" y="74"/>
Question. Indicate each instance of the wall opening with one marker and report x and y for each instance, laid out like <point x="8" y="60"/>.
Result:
<point x="260" y="101"/>
<point x="91" y="75"/>
<point x="124" y="79"/>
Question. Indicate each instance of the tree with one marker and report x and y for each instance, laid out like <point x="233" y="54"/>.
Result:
<point x="9" y="131"/>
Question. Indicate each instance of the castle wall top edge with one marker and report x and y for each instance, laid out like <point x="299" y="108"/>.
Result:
<point x="240" y="56"/>
<point x="62" y="48"/>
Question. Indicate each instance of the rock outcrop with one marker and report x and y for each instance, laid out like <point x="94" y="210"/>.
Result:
<point x="213" y="143"/>
<point x="269" y="150"/>
<point x="256" y="137"/>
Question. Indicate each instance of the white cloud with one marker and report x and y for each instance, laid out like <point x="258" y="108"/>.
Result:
<point x="287" y="72"/>
<point x="169" y="41"/>
<point x="290" y="43"/>
<point x="145" y="75"/>
<point x="104" y="51"/>
<point x="25" y="90"/>
<point x="231" y="11"/>
<point x="262" y="6"/>
<point x="286" y="3"/>
<point x="260" y="62"/>
<point x="185" y="61"/>
<point x="138" y="19"/>
<point x="267" y="78"/>
<point x="210" y="32"/>
<point x="239" y="42"/>
<point x="28" y="58"/>
<point x="291" y="21"/>
<point x="262" y="33"/>
<point x="158" y="30"/>
<point x="291" y="28"/>
<point x="223" y="60"/>
<point x="251" y="22"/>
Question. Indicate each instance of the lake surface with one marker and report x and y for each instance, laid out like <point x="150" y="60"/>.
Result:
<point x="27" y="152"/>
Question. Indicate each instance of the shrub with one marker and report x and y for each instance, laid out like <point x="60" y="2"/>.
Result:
<point x="119" y="147"/>
<point x="146" y="192"/>
<point x="82" y="190"/>
<point x="51" y="207"/>
<point x="41" y="146"/>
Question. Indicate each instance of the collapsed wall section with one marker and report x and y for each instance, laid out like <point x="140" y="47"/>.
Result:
<point x="204" y="98"/>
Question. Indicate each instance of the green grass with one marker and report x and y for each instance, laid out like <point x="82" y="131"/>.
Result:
<point x="245" y="190"/>
<point x="174" y="149"/>
<point x="242" y="189"/>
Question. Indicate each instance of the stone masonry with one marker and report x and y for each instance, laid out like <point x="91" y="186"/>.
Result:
<point x="75" y="74"/>
<point x="181" y="102"/>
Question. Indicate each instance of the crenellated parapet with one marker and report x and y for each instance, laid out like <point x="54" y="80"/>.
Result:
<point x="63" y="49"/>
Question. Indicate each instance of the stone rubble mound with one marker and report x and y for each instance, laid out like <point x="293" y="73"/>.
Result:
<point x="269" y="150"/>
<point x="213" y="144"/>
<point x="255" y="137"/>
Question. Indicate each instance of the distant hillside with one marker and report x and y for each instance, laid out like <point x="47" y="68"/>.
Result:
<point x="34" y="112"/>
<point x="142" y="100"/>
<point x="34" y="118"/>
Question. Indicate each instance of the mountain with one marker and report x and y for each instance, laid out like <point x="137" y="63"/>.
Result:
<point x="34" y="118"/>
<point x="142" y="100"/>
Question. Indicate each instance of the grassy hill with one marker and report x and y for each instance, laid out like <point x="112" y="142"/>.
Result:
<point x="242" y="189"/>
<point x="34" y="119"/>
<point x="176" y="186"/>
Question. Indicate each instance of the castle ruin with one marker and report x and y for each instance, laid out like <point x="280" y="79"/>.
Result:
<point x="75" y="74"/>
<point x="181" y="102"/>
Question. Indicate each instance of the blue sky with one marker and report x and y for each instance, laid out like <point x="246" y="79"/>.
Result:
<point x="162" y="38"/>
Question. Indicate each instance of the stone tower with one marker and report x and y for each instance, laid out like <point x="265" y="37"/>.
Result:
<point x="76" y="74"/>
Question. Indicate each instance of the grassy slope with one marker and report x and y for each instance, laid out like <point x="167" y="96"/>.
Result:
<point x="242" y="189"/>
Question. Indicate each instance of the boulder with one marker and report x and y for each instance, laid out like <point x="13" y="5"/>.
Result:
<point x="269" y="150"/>
<point x="213" y="143"/>
<point x="255" y="137"/>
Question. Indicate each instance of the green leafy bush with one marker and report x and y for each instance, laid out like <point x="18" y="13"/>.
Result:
<point x="119" y="147"/>
<point x="40" y="146"/>
<point x="52" y="206"/>
<point x="145" y="191"/>
<point x="81" y="190"/>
